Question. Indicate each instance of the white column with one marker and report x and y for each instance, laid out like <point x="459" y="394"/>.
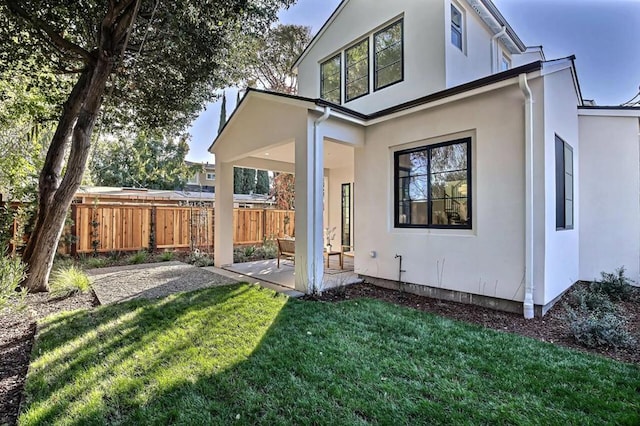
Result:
<point x="309" y="157"/>
<point x="223" y="229"/>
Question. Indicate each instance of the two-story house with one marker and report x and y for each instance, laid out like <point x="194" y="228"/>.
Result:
<point x="428" y="133"/>
<point x="203" y="180"/>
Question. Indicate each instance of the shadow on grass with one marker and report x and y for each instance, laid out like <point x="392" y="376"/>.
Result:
<point x="244" y="354"/>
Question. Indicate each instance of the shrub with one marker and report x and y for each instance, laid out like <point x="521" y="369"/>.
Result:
<point x="137" y="258"/>
<point x="166" y="256"/>
<point x="584" y="298"/>
<point x="616" y="286"/>
<point x="249" y="251"/>
<point x="199" y="258"/>
<point x="599" y="329"/>
<point x="12" y="272"/>
<point x="68" y="281"/>
<point x="96" y="262"/>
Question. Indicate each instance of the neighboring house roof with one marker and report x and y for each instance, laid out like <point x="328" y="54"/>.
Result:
<point x="206" y="165"/>
<point x="494" y="20"/>
<point x="466" y="87"/>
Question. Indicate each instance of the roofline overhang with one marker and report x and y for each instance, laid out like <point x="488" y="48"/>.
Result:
<point x="609" y="111"/>
<point x="472" y="88"/>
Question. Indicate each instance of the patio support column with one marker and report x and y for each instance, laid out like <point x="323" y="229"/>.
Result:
<point x="309" y="157"/>
<point x="223" y="220"/>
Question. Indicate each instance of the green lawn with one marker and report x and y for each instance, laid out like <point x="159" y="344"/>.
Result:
<point x="242" y="354"/>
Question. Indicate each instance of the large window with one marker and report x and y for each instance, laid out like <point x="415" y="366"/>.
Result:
<point x="456" y="27"/>
<point x="564" y="185"/>
<point x="357" y="70"/>
<point x="388" y="59"/>
<point x="433" y="186"/>
<point x="346" y="214"/>
<point x="330" y="80"/>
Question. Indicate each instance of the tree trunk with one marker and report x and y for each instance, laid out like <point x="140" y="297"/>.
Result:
<point x="56" y="196"/>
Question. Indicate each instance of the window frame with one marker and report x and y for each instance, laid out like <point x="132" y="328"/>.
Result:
<point x="561" y="181"/>
<point x="346" y="69"/>
<point x="396" y="195"/>
<point x="322" y="64"/>
<point x="461" y="31"/>
<point x="505" y="60"/>
<point x="375" y="55"/>
<point x="210" y="178"/>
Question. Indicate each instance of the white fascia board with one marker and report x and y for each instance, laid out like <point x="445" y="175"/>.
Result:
<point x="454" y="98"/>
<point x="551" y="67"/>
<point x="610" y="112"/>
<point x="342" y="116"/>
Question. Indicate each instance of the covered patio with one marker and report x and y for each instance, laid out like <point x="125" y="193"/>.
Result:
<point x="313" y="140"/>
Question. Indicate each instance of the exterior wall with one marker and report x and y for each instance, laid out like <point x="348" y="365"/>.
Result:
<point x="487" y="260"/>
<point x="561" y="246"/>
<point x="475" y="61"/>
<point x="336" y="178"/>
<point x="609" y="196"/>
<point x="424" y="41"/>
<point x="526" y="58"/>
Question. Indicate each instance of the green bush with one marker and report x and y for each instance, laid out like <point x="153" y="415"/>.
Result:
<point x="615" y="285"/>
<point x="199" y="258"/>
<point x="166" y="256"/>
<point x="68" y="281"/>
<point x="138" y="258"/>
<point x="599" y="329"/>
<point x="584" y="298"/>
<point x="12" y="272"/>
<point x="249" y="251"/>
<point x="96" y="262"/>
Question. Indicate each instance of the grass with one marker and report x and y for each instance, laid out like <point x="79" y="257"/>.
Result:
<point x="242" y="354"/>
<point x="68" y="280"/>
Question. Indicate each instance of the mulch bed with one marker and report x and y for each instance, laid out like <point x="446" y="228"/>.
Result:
<point x="17" y="330"/>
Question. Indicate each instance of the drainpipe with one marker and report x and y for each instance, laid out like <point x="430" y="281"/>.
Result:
<point x="318" y="176"/>
<point x="528" y="137"/>
<point x="494" y="49"/>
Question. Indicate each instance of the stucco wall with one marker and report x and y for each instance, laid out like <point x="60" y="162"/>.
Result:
<point x="487" y="260"/>
<point x="424" y="70"/>
<point x="609" y="196"/>
<point x="561" y="246"/>
<point x="336" y="178"/>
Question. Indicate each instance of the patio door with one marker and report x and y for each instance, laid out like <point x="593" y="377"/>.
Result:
<point x="346" y="214"/>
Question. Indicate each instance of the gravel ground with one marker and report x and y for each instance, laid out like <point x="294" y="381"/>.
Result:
<point x="150" y="281"/>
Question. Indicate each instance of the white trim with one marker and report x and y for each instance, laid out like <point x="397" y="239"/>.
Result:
<point x="606" y="112"/>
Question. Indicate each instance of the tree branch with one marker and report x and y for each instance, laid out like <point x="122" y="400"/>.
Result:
<point x="53" y="36"/>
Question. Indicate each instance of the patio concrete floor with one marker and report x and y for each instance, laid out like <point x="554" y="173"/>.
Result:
<point x="268" y="271"/>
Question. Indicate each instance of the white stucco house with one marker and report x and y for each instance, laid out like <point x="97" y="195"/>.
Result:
<point x="428" y="130"/>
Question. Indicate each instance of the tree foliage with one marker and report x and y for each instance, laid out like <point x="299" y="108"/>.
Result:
<point x="283" y="191"/>
<point x="146" y="160"/>
<point x="244" y="180"/>
<point x="271" y="58"/>
<point x="155" y="63"/>
<point x="262" y="182"/>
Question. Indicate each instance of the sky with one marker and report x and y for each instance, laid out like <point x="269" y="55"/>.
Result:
<point x="603" y="34"/>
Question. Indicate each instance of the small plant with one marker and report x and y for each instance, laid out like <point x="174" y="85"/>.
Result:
<point x="249" y="251"/>
<point x="96" y="262"/>
<point x="138" y="258"/>
<point x="115" y="256"/>
<point x="583" y="298"/>
<point x="166" y="256"/>
<point x="616" y="285"/>
<point x="12" y="272"/>
<point x="199" y="258"/>
<point x="68" y="281"/>
<point x="599" y="329"/>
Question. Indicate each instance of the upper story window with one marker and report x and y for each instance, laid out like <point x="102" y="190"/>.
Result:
<point x="505" y="63"/>
<point x="433" y="186"/>
<point x="456" y="27"/>
<point x="211" y="176"/>
<point x="357" y="70"/>
<point x="330" y="79"/>
<point x="389" y="56"/>
<point x="564" y="185"/>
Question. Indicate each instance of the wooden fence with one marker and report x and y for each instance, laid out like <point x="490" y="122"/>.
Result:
<point x="115" y="227"/>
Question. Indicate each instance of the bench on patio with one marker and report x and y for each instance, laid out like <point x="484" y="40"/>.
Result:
<point x="286" y="249"/>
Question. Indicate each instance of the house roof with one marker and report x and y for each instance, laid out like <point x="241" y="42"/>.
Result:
<point x="488" y="4"/>
<point x="207" y="166"/>
<point x="452" y="91"/>
<point x="162" y="195"/>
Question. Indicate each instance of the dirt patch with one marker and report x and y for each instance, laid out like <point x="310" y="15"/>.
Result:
<point x="551" y="328"/>
<point x="17" y="330"/>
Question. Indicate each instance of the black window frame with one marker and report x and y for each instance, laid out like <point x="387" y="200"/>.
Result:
<point x="561" y="180"/>
<point x="346" y="70"/>
<point x="339" y="56"/>
<point x="454" y="27"/>
<point x="396" y="195"/>
<point x="345" y="208"/>
<point x="375" y="56"/>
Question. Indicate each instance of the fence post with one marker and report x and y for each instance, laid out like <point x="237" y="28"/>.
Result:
<point x="74" y="230"/>
<point x="152" y="230"/>
<point x="264" y="225"/>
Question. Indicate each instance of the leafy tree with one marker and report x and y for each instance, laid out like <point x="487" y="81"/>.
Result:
<point x="283" y="190"/>
<point x="262" y="182"/>
<point x="272" y="57"/>
<point x="155" y="62"/>
<point x="146" y="160"/>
